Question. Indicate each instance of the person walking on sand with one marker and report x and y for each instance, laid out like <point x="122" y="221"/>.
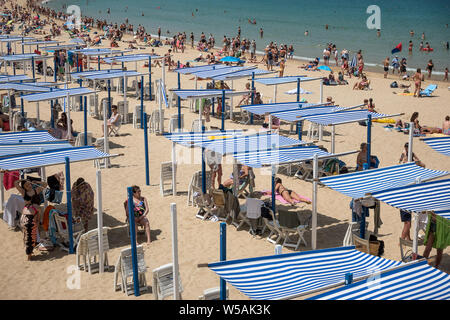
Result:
<point x="445" y="74"/>
<point x="417" y="78"/>
<point x="159" y="33"/>
<point x="386" y="67"/>
<point x="430" y="66"/>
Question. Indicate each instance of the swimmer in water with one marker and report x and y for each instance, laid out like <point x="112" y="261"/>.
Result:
<point x="378" y="33"/>
<point x="306" y="33"/>
<point x="411" y="33"/>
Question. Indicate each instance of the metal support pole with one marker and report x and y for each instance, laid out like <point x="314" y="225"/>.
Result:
<point x="223" y="110"/>
<point x="369" y="138"/>
<point x="298" y="90"/>
<point x="176" y="281"/>
<point x="133" y="241"/>
<point x="85" y="121"/>
<point x="142" y="102"/>
<point x="410" y="144"/>
<point x="109" y="98"/>
<point x="223" y="257"/>
<point x="274" y="171"/>
<point x="32" y="68"/>
<point x="179" y="99"/>
<point x="333" y="139"/>
<point x="147" y="169"/>
<point x="253" y="96"/>
<point x="150" y="77"/>
<point x="314" y="204"/>
<point x="100" y="220"/>
<point x="69" y="206"/>
<point x="174" y="173"/>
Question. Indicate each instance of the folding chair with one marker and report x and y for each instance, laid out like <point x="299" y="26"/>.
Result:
<point x="173" y="123"/>
<point x="163" y="282"/>
<point x="124" y="268"/>
<point x="93" y="105"/>
<point x="197" y="125"/>
<point x="213" y="294"/>
<point x="79" y="141"/>
<point x="60" y="236"/>
<point x="218" y="199"/>
<point x="299" y="230"/>
<point x="365" y="245"/>
<point x="166" y="176"/>
<point x="137" y="116"/>
<point x="114" y="129"/>
<point x="313" y="131"/>
<point x="155" y="123"/>
<point x="274" y="229"/>
<point x="249" y="183"/>
<point x="122" y="107"/>
<point x="147" y="91"/>
<point x="195" y="185"/>
<point x="89" y="249"/>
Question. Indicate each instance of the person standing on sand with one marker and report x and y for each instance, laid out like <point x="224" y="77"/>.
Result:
<point x="417" y="78"/>
<point x="159" y="33"/>
<point x="282" y="65"/>
<point x="445" y="75"/>
<point x="430" y="66"/>
<point x="386" y="67"/>
<point x="192" y="40"/>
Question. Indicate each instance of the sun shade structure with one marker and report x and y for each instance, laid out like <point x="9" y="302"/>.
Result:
<point x="82" y="74"/>
<point x="53" y="157"/>
<point x="241" y="74"/>
<point x="57" y="94"/>
<point x="192" y="70"/>
<point x="8" y="78"/>
<point x="131" y="58"/>
<point x="335" y="118"/>
<point x="282" y="80"/>
<point x="113" y="75"/>
<point x="209" y="74"/>
<point x="439" y="144"/>
<point x="191" y="139"/>
<point x="358" y="184"/>
<point x="97" y="51"/>
<point x="260" y="158"/>
<point x="24" y="148"/>
<point x="287" y="276"/>
<point x="250" y="143"/>
<point x="68" y="46"/>
<point x="262" y="109"/>
<point x="298" y="114"/>
<point x="26" y="137"/>
<point x="28" y="87"/>
<point x="421" y="197"/>
<point x="206" y="93"/>
<point x="24" y="57"/>
<point x="413" y="281"/>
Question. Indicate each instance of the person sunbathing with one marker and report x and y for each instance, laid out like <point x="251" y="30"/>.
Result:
<point x="243" y="174"/>
<point x="289" y="195"/>
<point x="362" y="85"/>
<point x="446" y="126"/>
<point x="404" y="157"/>
<point x="275" y="122"/>
<point x="341" y="80"/>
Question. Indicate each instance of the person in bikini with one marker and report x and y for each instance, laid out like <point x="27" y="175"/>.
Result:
<point x="417" y="78"/>
<point x="289" y="195"/>
<point x="386" y="66"/>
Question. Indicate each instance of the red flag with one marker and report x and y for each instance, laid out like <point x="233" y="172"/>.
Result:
<point x="398" y="48"/>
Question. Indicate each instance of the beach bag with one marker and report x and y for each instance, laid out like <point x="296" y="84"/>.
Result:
<point x="394" y="84"/>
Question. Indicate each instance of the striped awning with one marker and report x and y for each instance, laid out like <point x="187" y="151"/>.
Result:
<point x="113" y="75"/>
<point x="287" y="276"/>
<point x="188" y="139"/>
<point x="28" y="87"/>
<point x="342" y="117"/>
<point x="26" y="137"/>
<point x="241" y="74"/>
<point x="262" y="109"/>
<point x="260" y="158"/>
<point x="24" y="148"/>
<point x="277" y="80"/>
<point x="439" y="144"/>
<point x="209" y="74"/>
<point x="97" y="51"/>
<point x="192" y="70"/>
<point x="50" y="158"/>
<point x="205" y="93"/>
<point x="57" y="94"/>
<point x="131" y="58"/>
<point x="358" y="184"/>
<point x="413" y="281"/>
<point x="298" y="114"/>
<point x="257" y="142"/>
<point x="22" y="57"/>
<point x="428" y="196"/>
<point x="8" y="78"/>
<point x="82" y="74"/>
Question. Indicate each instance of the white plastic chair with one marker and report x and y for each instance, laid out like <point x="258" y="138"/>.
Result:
<point x="124" y="268"/>
<point x="166" y="176"/>
<point x="163" y="282"/>
<point x="213" y="294"/>
<point x="80" y="139"/>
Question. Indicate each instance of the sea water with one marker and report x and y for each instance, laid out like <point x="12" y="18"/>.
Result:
<point x="285" y="22"/>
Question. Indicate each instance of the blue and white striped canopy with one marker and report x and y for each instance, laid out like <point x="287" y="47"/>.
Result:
<point x="21" y="57"/>
<point x="413" y="281"/>
<point x="287" y="276"/>
<point x="26" y="137"/>
<point x="113" y="75"/>
<point x="20" y="77"/>
<point x="262" y="109"/>
<point x="131" y="58"/>
<point x="358" y="184"/>
<point x="201" y="68"/>
<point x="24" y="148"/>
<point x="428" y="196"/>
<point x="257" y="142"/>
<point x="293" y="115"/>
<point x="205" y="93"/>
<point x="277" y="80"/>
<point x="50" y="158"/>
<point x="29" y="87"/>
<point x="188" y="139"/>
<point x="57" y="94"/>
<point x="78" y="75"/>
<point x="335" y="118"/>
<point x="241" y="74"/>
<point x="443" y="213"/>
<point x="15" y="38"/>
<point x="260" y="158"/>
<point x="439" y="144"/>
<point x="67" y="46"/>
<point x="209" y="74"/>
<point x="97" y="51"/>
<point x="39" y="42"/>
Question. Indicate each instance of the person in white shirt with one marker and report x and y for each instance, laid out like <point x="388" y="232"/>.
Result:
<point x="113" y="120"/>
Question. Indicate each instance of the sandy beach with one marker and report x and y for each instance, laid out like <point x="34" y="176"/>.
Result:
<point x="45" y="278"/>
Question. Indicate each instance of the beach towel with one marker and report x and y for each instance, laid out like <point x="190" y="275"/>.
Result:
<point x="385" y="120"/>
<point x="280" y="198"/>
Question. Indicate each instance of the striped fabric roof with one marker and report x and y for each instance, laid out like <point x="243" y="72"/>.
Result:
<point x="262" y="109"/>
<point x="358" y="184"/>
<point x="290" y="275"/>
<point x="23" y="148"/>
<point x="248" y="143"/>
<point x="53" y="157"/>
<point x="78" y="75"/>
<point x="131" y="58"/>
<point x="21" y="57"/>
<point x="241" y="74"/>
<point x="260" y="158"/>
<point x="293" y="115"/>
<point x="188" y="139"/>
<point x="208" y="74"/>
<point x="205" y="93"/>
<point x="26" y="137"/>
<point x="439" y="144"/>
<point x="443" y="213"/>
<point x="201" y="68"/>
<point x="413" y="281"/>
<point x="97" y="51"/>
<point x="39" y="42"/>
<point x="66" y="46"/>
<point x="333" y="118"/>
<point x="419" y="197"/>
<point x="57" y="94"/>
<point x="29" y="87"/>
<point x="277" y="80"/>
<point x="14" y="39"/>
<point x="113" y="75"/>
<point x="20" y="77"/>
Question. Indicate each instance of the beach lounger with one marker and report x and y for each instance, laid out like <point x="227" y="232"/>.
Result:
<point x="58" y="230"/>
<point x="89" y="249"/>
<point x="248" y="183"/>
<point x="163" y="282"/>
<point x="218" y="199"/>
<point x="213" y="294"/>
<point x="79" y="141"/>
<point x="298" y="230"/>
<point x="124" y="269"/>
<point x="166" y="176"/>
<point x="428" y="91"/>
